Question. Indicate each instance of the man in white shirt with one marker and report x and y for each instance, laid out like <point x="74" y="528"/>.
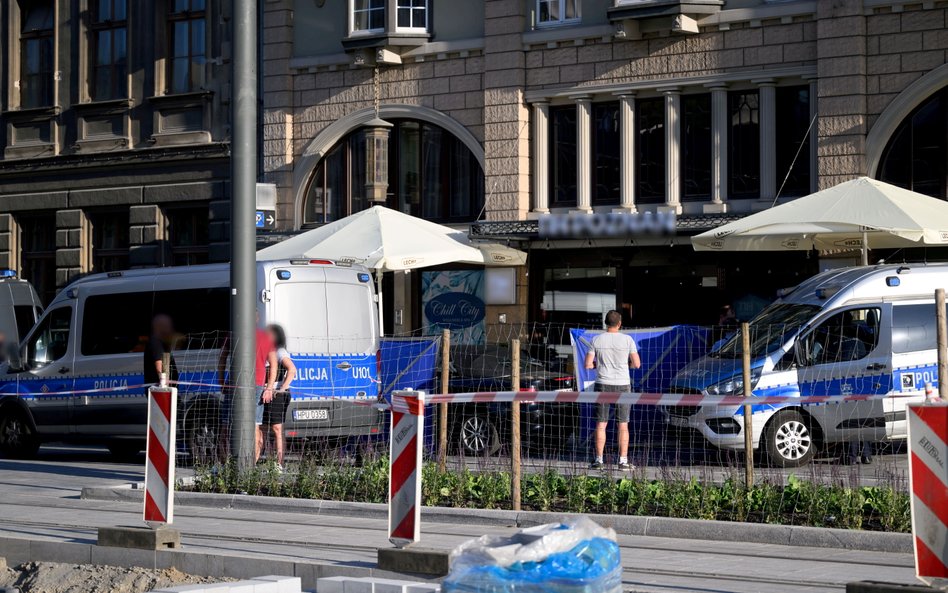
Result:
<point x="612" y="354"/>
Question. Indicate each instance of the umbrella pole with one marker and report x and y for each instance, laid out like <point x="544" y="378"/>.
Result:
<point x="865" y="248"/>
<point x="378" y="294"/>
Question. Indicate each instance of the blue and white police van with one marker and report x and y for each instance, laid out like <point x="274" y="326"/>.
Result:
<point x="860" y="331"/>
<point x="78" y="374"/>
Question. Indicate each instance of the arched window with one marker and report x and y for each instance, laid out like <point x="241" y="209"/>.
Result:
<point x="431" y="174"/>
<point x="916" y="156"/>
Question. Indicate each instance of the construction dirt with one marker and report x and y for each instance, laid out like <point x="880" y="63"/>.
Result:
<point x="49" y="577"/>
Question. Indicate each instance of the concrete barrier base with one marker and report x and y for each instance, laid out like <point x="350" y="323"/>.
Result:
<point x="415" y="560"/>
<point x="140" y="538"/>
<point x="876" y="587"/>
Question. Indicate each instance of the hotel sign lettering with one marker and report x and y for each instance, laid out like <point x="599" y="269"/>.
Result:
<point x="606" y="225"/>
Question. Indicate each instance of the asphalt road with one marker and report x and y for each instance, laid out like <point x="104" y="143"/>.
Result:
<point x="40" y="499"/>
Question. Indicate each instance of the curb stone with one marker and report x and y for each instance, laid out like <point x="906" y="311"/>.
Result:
<point x="730" y="531"/>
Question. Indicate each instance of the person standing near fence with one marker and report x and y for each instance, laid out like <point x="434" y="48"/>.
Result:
<point x="612" y="354"/>
<point x="265" y="371"/>
<point x="160" y="342"/>
<point x="274" y="413"/>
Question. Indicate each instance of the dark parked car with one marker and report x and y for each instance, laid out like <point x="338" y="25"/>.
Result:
<point x="482" y="428"/>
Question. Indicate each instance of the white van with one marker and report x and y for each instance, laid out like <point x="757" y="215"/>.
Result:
<point x="861" y="331"/>
<point x="90" y="341"/>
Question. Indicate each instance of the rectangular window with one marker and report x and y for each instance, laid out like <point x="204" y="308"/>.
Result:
<point x="108" y="51"/>
<point x="650" y="151"/>
<point x="696" y="147"/>
<point x="412" y="15"/>
<point x="744" y="144"/>
<point x="121" y="323"/>
<point x="109" y="241"/>
<point x="37" y="20"/>
<point x="563" y="155"/>
<point x="368" y="16"/>
<point x="38" y="253"/>
<point x="793" y="142"/>
<point x="557" y="12"/>
<point x="188" y="234"/>
<point x="187" y="46"/>
<point x="606" y="157"/>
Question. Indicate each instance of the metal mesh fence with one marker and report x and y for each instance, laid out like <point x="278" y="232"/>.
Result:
<point x="827" y="463"/>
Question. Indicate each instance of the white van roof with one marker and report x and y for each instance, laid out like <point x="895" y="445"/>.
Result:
<point x="887" y="281"/>
<point x="203" y="269"/>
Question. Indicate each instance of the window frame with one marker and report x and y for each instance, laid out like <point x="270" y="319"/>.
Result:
<point x="642" y="150"/>
<point x="689" y="161"/>
<point x="411" y="9"/>
<point x="569" y="172"/>
<point x="44" y="257"/>
<point x="23" y="38"/>
<point x="351" y="12"/>
<point x="739" y="155"/>
<point x="44" y="326"/>
<point x="99" y="254"/>
<point x="172" y="17"/>
<point x="196" y="253"/>
<point x="457" y="169"/>
<point x="563" y="20"/>
<point x="596" y="136"/>
<point x="94" y="28"/>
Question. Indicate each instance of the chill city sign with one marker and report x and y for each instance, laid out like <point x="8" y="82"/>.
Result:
<point x="606" y="225"/>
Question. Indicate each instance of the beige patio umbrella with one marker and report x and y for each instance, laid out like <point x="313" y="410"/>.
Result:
<point x="859" y="214"/>
<point x="386" y="240"/>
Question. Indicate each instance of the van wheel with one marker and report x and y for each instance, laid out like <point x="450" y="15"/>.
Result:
<point x="789" y="440"/>
<point x="478" y="436"/>
<point x="17" y="437"/>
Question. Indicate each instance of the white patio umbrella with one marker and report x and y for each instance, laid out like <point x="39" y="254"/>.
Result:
<point x="387" y="240"/>
<point x="859" y="214"/>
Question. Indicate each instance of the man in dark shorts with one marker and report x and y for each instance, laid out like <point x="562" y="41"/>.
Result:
<point x="612" y="354"/>
<point x="159" y="344"/>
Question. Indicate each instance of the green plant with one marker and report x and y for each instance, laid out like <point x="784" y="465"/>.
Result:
<point x="798" y="502"/>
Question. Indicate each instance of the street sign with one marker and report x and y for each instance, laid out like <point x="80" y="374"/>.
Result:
<point x="265" y="220"/>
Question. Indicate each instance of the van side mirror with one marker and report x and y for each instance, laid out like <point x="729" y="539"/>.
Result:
<point x="14" y="356"/>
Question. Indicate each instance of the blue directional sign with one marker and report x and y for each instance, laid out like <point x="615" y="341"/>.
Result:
<point x="265" y="219"/>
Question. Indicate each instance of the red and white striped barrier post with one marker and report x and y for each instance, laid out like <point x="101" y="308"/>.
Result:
<point x="159" y="455"/>
<point x="407" y="440"/>
<point x="928" y="479"/>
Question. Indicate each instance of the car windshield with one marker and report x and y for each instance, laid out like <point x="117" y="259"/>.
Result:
<point x="488" y="362"/>
<point x="769" y="330"/>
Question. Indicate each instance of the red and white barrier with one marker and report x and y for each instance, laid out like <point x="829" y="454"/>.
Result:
<point x="159" y="455"/>
<point x="928" y="480"/>
<point x="407" y="439"/>
<point x="640" y="399"/>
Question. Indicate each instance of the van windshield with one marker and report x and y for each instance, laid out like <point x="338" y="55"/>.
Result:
<point x="769" y="331"/>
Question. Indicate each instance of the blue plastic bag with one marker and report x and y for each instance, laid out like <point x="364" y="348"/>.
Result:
<point x="576" y="557"/>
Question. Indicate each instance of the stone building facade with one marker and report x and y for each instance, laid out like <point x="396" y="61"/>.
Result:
<point x="709" y="109"/>
<point x="116" y="145"/>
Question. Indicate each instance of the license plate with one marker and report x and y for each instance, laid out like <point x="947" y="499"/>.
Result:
<point x="677" y="421"/>
<point x="321" y="414"/>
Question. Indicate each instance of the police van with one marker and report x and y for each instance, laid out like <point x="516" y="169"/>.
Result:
<point x="79" y="372"/>
<point x="859" y="331"/>
<point x="20" y="307"/>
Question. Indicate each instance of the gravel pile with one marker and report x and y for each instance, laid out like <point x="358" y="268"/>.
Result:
<point x="49" y="577"/>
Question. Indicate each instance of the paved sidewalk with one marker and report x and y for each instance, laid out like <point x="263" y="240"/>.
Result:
<point x="40" y="500"/>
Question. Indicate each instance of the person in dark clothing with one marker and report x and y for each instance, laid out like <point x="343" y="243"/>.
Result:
<point x="160" y="343"/>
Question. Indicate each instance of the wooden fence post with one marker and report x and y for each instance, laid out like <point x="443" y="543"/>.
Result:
<point x="443" y="407"/>
<point x="515" y="426"/>
<point x="748" y="413"/>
